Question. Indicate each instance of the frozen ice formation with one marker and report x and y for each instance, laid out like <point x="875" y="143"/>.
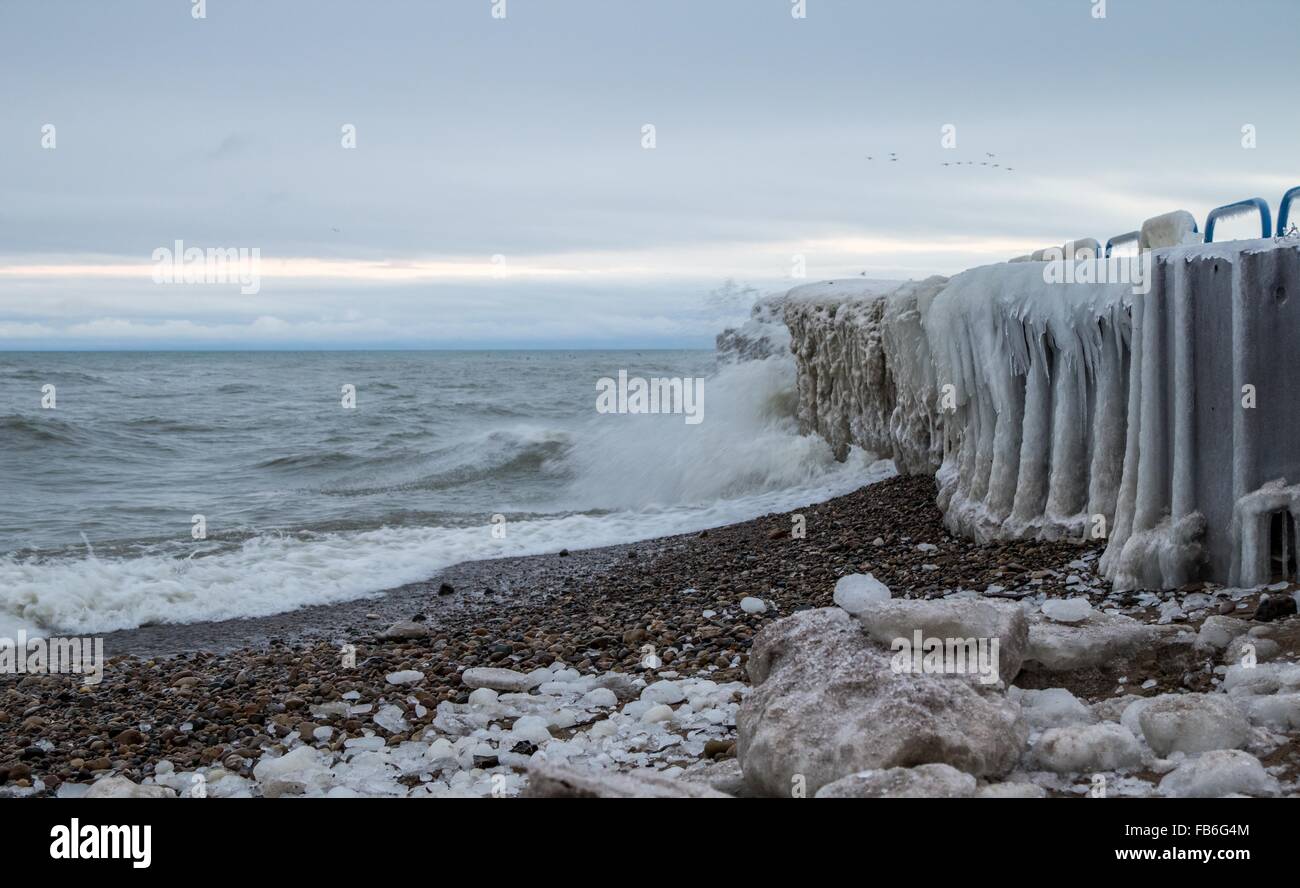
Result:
<point x="762" y="336"/>
<point x="922" y="782"/>
<point x="857" y="592"/>
<point x="1065" y="401"/>
<point x="124" y="788"/>
<point x="504" y="680"/>
<point x="584" y="735"/>
<point x="552" y="782"/>
<point x="1051" y="707"/>
<point x="1219" y="773"/>
<point x="827" y="704"/>
<point x="864" y="372"/>
<point x="953" y="620"/>
<point x="1085" y="748"/>
<point x="404" y="677"/>
<point x="1067" y="610"/>
<point x="1100" y="639"/>
<point x="1193" y="723"/>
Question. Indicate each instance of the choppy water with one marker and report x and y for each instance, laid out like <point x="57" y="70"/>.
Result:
<point x="306" y="502"/>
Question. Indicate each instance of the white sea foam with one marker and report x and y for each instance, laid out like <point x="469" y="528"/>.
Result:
<point x="749" y="443"/>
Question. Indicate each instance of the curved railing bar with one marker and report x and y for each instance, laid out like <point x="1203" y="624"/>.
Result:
<point x="1284" y="209"/>
<point x="1265" y="216"/>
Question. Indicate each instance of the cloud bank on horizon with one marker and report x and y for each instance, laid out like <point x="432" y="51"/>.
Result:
<point x="585" y="174"/>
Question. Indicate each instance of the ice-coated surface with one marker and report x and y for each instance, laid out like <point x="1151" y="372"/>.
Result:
<point x="864" y="373"/>
<point x="953" y="619"/>
<point x="1067" y="610"/>
<point x="1101" y="639"/>
<point x="1080" y="410"/>
<point x="1105" y="746"/>
<point x="1193" y="723"/>
<point x="827" y="704"/>
<point x="1052" y="708"/>
<point x="504" y="680"/>
<point x="1219" y="773"/>
<point x="858" y="592"/>
<point x="922" y="782"/>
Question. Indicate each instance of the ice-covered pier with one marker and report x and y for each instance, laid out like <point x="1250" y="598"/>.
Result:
<point x="1050" y="399"/>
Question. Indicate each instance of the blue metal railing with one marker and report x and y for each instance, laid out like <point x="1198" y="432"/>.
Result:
<point x="1284" y="209"/>
<point x="1232" y="209"/>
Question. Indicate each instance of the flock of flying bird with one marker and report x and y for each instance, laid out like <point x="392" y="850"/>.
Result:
<point x="893" y="158"/>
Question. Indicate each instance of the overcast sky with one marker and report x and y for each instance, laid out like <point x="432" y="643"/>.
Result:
<point x="522" y="138"/>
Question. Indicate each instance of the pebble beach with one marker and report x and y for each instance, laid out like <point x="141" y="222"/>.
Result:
<point x="626" y="659"/>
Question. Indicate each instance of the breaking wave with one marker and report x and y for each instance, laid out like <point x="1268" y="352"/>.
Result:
<point x="593" y="479"/>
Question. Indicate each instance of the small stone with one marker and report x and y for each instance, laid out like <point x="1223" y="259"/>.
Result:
<point x="1274" y="608"/>
<point x="403" y="630"/>
<point x="716" y="748"/>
